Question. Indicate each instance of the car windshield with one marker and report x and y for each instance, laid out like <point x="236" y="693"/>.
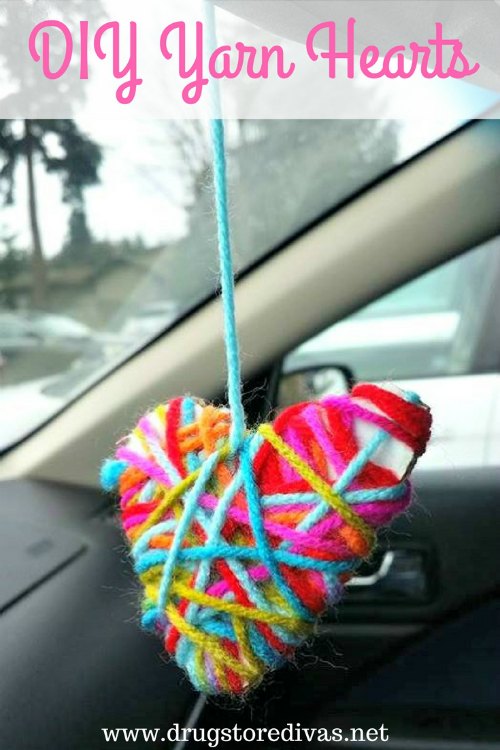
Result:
<point x="107" y="232"/>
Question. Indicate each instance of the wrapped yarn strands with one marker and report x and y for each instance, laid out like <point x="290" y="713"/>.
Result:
<point x="240" y="553"/>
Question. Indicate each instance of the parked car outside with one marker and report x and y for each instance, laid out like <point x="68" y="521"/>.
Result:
<point x="149" y="320"/>
<point x="36" y="344"/>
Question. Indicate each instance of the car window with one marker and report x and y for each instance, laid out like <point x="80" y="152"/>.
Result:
<point x="434" y="326"/>
<point x="120" y="241"/>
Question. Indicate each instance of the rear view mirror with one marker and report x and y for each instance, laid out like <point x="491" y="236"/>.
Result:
<point x="312" y="382"/>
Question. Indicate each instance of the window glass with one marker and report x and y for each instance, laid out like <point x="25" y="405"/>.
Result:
<point x="433" y="326"/>
<point x="107" y="232"/>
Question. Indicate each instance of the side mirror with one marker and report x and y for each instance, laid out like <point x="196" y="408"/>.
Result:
<point x="308" y="383"/>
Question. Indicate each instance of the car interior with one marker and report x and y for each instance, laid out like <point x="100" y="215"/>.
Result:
<point x="414" y="645"/>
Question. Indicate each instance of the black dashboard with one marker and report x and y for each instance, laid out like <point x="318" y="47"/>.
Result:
<point x="73" y="659"/>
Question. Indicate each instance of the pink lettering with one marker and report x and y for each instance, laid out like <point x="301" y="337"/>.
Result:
<point x="440" y="57"/>
<point x="397" y="62"/>
<point x="126" y="92"/>
<point x="192" y="91"/>
<point x="332" y="55"/>
<point x="223" y="55"/>
<point x="45" y="55"/>
<point x="226" y="61"/>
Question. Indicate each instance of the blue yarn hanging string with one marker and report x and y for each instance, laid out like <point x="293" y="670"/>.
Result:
<point x="225" y="252"/>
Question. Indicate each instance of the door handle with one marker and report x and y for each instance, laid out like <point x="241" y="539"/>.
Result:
<point x="379" y="574"/>
<point x="400" y="576"/>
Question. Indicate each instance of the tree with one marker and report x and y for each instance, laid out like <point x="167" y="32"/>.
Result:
<point x="30" y="92"/>
<point x="189" y="139"/>
<point x="75" y="158"/>
<point x="12" y="262"/>
<point x="79" y="240"/>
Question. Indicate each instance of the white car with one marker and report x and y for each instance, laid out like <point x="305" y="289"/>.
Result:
<point x="149" y="320"/>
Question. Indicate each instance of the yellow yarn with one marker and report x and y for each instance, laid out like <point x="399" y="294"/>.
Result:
<point x="317" y="483"/>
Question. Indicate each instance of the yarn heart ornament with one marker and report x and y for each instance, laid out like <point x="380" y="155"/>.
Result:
<point x="239" y="553"/>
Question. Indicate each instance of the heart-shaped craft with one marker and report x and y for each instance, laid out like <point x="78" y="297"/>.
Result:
<point x="240" y="554"/>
